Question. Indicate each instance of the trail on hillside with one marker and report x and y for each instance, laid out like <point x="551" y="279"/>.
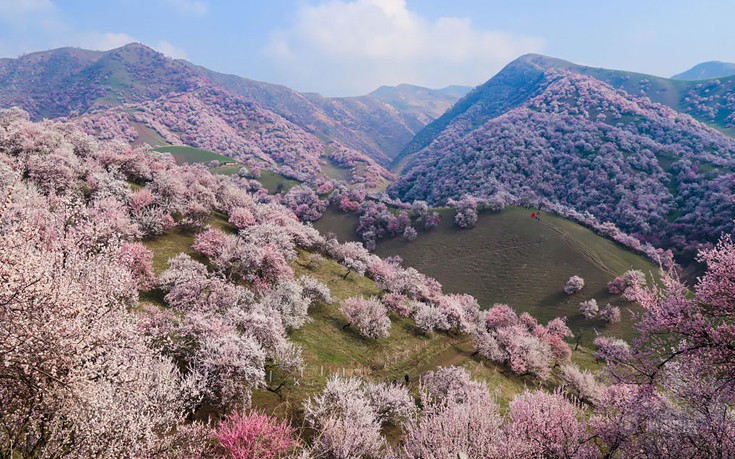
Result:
<point x="579" y="247"/>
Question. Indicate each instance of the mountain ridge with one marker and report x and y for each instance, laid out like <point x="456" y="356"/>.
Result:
<point x="711" y="101"/>
<point x="74" y="81"/>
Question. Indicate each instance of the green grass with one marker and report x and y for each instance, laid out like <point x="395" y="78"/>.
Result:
<point x="334" y="171"/>
<point x="185" y="154"/>
<point x="226" y="170"/>
<point x="329" y="347"/>
<point x="176" y="241"/>
<point x="341" y="224"/>
<point x="510" y="258"/>
<point x="147" y="135"/>
<point x="276" y="183"/>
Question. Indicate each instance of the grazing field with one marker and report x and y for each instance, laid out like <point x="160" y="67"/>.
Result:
<point x="341" y="224"/>
<point x="329" y="347"/>
<point x="175" y="241"/>
<point x="511" y="258"/>
<point x="184" y="154"/>
<point x="272" y="181"/>
<point x="147" y="135"/>
<point x="276" y="183"/>
<point x="334" y="171"/>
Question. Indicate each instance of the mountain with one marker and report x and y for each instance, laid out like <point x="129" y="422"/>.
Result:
<point x="423" y="103"/>
<point x="544" y="130"/>
<point x="379" y="124"/>
<point x="359" y="133"/>
<point x="214" y="119"/>
<point x="711" y="102"/>
<point x="69" y="82"/>
<point x="706" y="71"/>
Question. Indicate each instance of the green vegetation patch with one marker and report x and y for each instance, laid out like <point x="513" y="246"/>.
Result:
<point x="330" y="346"/>
<point x="276" y="183"/>
<point x="335" y="171"/>
<point x="185" y="154"/>
<point x="513" y="259"/>
<point x="147" y="135"/>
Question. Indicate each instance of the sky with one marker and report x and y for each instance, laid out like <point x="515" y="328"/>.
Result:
<point x="351" y="47"/>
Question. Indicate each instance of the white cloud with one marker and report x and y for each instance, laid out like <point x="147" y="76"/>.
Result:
<point x="170" y="50"/>
<point x="196" y="7"/>
<point x="105" y="41"/>
<point x="351" y="47"/>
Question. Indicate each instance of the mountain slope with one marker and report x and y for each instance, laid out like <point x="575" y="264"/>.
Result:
<point x="580" y="143"/>
<point x="217" y="120"/>
<point x="706" y="71"/>
<point x="423" y="103"/>
<point x="712" y="101"/>
<point x="71" y="82"/>
<point x="375" y="124"/>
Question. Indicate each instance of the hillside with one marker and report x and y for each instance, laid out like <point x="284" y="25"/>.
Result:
<point x="70" y="82"/>
<point x="711" y="102"/>
<point x="379" y="124"/>
<point x="329" y="348"/>
<point x="567" y="138"/>
<point x="706" y="71"/>
<point x="508" y="249"/>
<point x="216" y="120"/>
<point x="510" y="258"/>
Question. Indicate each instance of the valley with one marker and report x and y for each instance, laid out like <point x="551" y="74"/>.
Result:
<point x="199" y="264"/>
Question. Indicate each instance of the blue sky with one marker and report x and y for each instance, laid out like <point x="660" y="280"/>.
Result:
<point x="350" y="47"/>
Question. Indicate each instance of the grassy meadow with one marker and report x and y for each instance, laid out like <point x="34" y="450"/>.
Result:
<point x="508" y="257"/>
<point x="185" y="154"/>
<point x="329" y="347"/>
<point x="511" y="258"/>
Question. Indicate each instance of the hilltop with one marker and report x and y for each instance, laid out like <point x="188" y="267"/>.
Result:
<point x="706" y="71"/>
<point x="423" y="103"/>
<point x="711" y="102"/>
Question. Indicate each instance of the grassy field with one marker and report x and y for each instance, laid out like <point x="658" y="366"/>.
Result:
<point x="329" y="347"/>
<point x="333" y="171"/>
<point x="272" y="181"/>
<point x="341" y="224"/>
<point x="148" y="136"/>
<point x="276" y="183"/>
<point x="185" y="154"/>
<point x="510" y="258"/>
<point x="175" y="241"/>
<point x="226" y="170"/>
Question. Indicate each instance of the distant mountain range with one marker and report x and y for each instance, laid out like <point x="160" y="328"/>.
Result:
<point x="359" y="133"/>
<point x="546" y="130"/>
<point x="706" y="71"/>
